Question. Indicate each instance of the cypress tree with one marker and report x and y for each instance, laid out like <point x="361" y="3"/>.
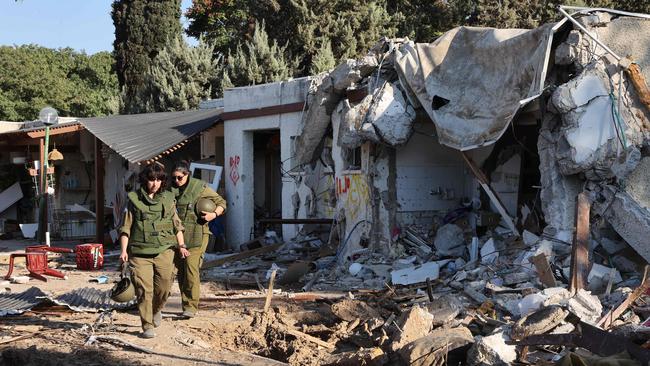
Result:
<point x="180" y="77"/>
<point x="142" y="29"/>
<point x="257" y="61"/>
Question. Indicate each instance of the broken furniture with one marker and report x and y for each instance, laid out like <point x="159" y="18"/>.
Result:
<point x="89" y="256"/>
<point x="36" y="258"/>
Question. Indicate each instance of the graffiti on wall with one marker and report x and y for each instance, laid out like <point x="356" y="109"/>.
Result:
<point x="234" y="169"/>
<point x="353" y="193"/>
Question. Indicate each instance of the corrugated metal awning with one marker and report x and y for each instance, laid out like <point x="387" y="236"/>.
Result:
<point x="143" y="137"/>
<point x="11" y="303"/>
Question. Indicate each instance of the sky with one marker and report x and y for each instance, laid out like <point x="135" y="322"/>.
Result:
<point x="79" y="24"/>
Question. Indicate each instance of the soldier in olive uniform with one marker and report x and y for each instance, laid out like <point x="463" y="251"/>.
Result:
<point x="188" y="192"/>
<point x="148" y="238"/>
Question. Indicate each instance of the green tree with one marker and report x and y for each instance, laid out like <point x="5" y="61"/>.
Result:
<point x="257" y="61"/>
<point x="142" y="29"/>
<point x="179" y="78"/>
<point x="74" y="83"/>
<point x="349" y="27"/>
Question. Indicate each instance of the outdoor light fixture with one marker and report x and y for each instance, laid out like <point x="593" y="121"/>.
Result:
<point x="55" y="155"/>
<point x="49" y="116"/>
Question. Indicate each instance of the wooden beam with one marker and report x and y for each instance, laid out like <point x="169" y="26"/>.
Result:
<point x="99" y="192"/>
<point x="55" y="131"/>
<point x="544" y="271"/>
<point x="265" y="111"/>
<point x="580" y="248"/>
<point x="269" y="293"/>
<point x="483" y="181"/>
<point x="612" y="315"/>
<point x="242" y="255"/>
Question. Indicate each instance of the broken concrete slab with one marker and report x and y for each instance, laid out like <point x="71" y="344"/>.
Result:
<point x="558" y="190"/>
<point x="391" y="115"/>
<point x="586" y="306"/>
<point x="415" y="323"/>
<point x="316" y="120"/>
<point x="345" y="75"/>
<point x="444" y="309"/>
<point x="351" y="118"/>
<point x="601" y="274"/>
<point x="624" y="264"/>
<point x="611" y="246"/>
<point x="351" y="310"/>
<point x="492" y="350"/>
<point x="630" y="220"/>
<point x="415" y="274"/>
<point x="489" y="252"/>
<point x="539" y="322"/>
<point x="370" y="356"/>
<point x="637" y="183"/>
<point x="449" y="241"/>
<point x="435" y="347"/>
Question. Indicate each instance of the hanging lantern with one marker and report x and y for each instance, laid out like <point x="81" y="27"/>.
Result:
<point x="55" y="155"/>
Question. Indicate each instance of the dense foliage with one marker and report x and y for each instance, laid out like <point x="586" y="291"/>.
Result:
<point x="142" y="29"/>
<point x="32" y="77"/>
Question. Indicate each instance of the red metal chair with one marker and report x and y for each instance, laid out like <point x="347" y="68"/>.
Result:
<point x="36" y="258"/>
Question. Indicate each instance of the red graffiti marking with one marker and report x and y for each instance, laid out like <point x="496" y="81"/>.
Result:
<point x="342" y="185"/>
<point x="234" y="169"/>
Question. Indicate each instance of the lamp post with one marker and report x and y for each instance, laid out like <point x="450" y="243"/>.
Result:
<point x="48" y="116"/>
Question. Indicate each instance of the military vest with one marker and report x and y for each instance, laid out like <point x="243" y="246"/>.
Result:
<point x="196" y="228"/>
<point x="152" y="230"/>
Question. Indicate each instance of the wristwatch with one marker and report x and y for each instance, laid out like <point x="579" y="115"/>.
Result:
<point x="182" y="246"/>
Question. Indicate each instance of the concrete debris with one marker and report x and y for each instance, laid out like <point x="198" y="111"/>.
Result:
<point x="489" y="252"/>
<point x="371" y="357"/>
<point x="351" y="119"/>
<point x="600" y="275"/>
<point x="444" y="309"/>
<point x="391" y="116"/>
<point x="586" y="306"/>
<point x="539" y="322"/>
<point x="416" y="323"/>
<point x="492" y="350"/>
<point x="449" y="241"/>
<point x="412" y="210"/>
<point x="350" y="310"/>
<point x="611" y="246"/>
<point x="416" y="274"/>
<point x="436" y="347"/>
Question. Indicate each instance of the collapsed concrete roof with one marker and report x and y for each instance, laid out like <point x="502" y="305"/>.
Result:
<point x="472" y="81"/>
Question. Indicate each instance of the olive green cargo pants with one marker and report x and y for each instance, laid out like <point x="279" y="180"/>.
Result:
<point x="152" y="278"/>
<point x="189" y="277"/>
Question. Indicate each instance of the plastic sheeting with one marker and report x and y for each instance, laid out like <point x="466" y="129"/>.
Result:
<point x="472" y="81"/>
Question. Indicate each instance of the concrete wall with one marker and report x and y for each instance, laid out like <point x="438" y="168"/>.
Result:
<point x="430" y="177"/>
<point x="239" y="169"/>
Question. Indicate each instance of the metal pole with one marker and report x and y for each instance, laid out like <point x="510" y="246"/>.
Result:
<point x="582" y="9"/>
<point x="44" y="192"/>
<point x="582" y="28"/>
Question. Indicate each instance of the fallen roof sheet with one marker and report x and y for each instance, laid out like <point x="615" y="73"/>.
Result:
<point x="89" y="299"/>
<point x="142" y="137"/>
<point x="472" y="81"/>
<point x="11" y="304"/>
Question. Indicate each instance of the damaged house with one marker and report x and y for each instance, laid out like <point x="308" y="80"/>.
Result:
<point x="491" y="160"/>
<point x="480" y="200"/>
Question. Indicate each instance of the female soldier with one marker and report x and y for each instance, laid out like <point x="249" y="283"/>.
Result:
<point x="188" y="192"/>
<point x="151" y="232"/>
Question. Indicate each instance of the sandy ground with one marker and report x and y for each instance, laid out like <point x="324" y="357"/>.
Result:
<point x="225" y="332"/>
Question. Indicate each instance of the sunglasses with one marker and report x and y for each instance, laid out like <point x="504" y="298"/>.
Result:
<point x="179" y="177"/>
<point x="154" y="179"/>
